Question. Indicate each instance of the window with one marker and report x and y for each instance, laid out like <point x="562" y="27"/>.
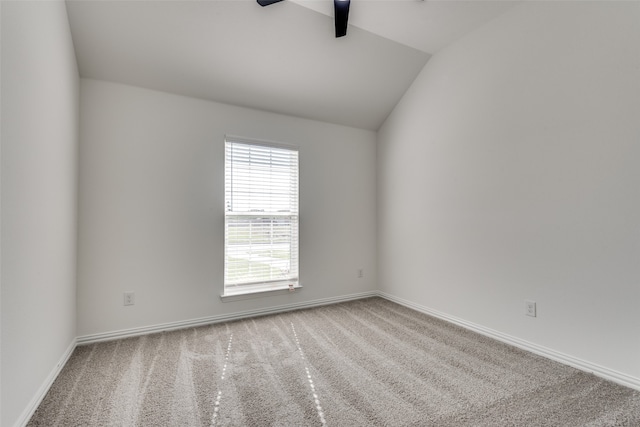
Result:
<point x="261" y="217"/>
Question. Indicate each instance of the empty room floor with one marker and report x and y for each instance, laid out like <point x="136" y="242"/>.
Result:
<point x="369" y="362"/>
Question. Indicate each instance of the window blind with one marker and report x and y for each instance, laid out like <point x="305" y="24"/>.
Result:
<point x="261" y="216"/>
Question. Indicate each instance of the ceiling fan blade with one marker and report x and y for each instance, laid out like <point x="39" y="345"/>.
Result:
<point x="341" y="11"/>
<point x="267" y="2"/>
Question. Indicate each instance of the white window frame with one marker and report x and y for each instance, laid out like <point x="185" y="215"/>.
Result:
<point x="252" y="207"/>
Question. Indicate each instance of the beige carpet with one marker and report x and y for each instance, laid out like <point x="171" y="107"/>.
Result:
<point x="362" y="363"/>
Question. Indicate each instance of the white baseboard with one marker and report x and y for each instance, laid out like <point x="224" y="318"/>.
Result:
<point x="44" y="388"/>
<point x="583" y="365"/>
<point x="126" y="333"/>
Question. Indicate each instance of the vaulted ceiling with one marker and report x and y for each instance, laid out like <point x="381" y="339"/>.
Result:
<point x="282" y="58"/>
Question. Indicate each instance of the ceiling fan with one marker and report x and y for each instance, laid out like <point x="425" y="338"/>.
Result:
<point x="341" y="12"/>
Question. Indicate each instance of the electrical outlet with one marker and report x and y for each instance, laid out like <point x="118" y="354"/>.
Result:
<point x="129" y="298"/>
<point x="530" y="308"/>
<point x="360" y="273"/>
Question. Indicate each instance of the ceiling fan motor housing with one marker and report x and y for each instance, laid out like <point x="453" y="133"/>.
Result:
<point x="341" y="13"/>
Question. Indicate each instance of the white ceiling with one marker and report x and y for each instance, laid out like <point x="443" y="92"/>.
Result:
<point x="282" y="58"/>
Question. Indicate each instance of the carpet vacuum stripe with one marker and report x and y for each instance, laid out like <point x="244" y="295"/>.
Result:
<point x="216" y="406"/>
<point x="311" y="385"/>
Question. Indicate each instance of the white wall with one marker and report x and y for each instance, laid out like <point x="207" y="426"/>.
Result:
<point x="509" y="171"/>
<point x="151" y="198"/>
<point x="40" y="88"/>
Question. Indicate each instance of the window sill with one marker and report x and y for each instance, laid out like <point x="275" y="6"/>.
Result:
<point x="260" y="293"/>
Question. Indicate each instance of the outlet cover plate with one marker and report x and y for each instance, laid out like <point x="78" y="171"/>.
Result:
<point x="129" y="298"/>
<point x="530" y="308"/>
